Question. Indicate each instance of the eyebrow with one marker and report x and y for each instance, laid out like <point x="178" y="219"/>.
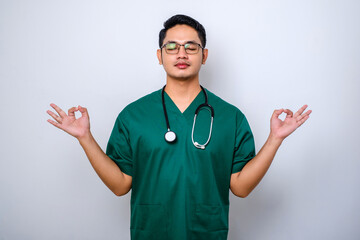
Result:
<point x="192" y="41"/>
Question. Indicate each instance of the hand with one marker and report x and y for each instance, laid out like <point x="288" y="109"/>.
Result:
<point x="281" y="129"/>
<point x="76" y="127"/>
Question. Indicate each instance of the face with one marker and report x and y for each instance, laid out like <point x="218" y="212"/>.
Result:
<point x="182" y="66"/>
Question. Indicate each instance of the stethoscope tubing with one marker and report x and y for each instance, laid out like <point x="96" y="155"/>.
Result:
<point x="170" y="136"/>
<point x="164" y="107"/>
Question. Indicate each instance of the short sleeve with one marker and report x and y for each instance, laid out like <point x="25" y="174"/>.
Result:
<point x="118" y="147"/>
<point x="244" y="149"/>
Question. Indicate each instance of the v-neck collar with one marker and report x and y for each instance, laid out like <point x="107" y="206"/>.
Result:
<point x="190" y="110"/>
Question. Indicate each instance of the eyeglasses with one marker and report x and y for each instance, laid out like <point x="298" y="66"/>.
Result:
<point x="174" y="47"/>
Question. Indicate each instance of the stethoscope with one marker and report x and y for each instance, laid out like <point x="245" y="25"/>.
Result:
<point x="170" y="136"/>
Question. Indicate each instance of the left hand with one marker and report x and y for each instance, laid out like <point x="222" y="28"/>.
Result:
<point x="281" y="129"/>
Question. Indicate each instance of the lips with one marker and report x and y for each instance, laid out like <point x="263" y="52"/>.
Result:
<point x="182" y="65"/>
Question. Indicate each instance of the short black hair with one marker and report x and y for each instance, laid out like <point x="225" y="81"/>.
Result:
<point x="182" y="19"/>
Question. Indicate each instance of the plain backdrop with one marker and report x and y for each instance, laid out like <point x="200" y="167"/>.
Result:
<point x="263" y="55"/>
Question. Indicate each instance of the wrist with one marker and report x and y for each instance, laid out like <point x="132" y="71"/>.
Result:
<point x="86" y="137"/>
<point x="275" y="140"/>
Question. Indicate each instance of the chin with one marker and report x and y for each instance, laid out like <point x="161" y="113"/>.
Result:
<point x="183" y="78"/>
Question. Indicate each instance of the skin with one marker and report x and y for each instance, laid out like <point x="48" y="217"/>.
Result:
<point x="182" y="85"/>
<point x="117" y="181"/>
<point x="243" y="182"/>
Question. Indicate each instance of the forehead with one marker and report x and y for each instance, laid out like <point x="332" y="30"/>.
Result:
<point x="181" y="33"/>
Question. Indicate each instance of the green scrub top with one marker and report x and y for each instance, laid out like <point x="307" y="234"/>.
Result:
<point x="179" y="191"/>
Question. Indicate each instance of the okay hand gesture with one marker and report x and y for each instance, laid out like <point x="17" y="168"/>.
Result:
<point x="282" y="129"/>
<point x="67" y="122"/>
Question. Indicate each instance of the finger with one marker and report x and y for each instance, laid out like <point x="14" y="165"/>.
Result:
<point x="277" y="113"/>
<point x="302" y="120"/>
<point x="308" y="112"/>
<point x="55" y="124"/>
<point x="83" y="111"/>
<point x="54" y="116"/>
<point x="58" y="110"/>
<point x="298" y="118"/>
<point x="300" y="111"/>
<point x="288" y="112"/>
<point x="71" y="111"/>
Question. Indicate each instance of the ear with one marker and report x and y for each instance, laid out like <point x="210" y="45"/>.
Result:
<point x="204" y="55"/>
<point x="158" y="53"/>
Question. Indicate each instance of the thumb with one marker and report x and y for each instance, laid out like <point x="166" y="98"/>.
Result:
<point x="83" y="111"/>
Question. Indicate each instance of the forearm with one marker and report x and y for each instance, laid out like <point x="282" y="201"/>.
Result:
<point x="254" y="171"/>
<point x="118" y="182"/>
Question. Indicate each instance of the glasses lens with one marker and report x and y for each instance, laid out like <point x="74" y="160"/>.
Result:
<point x="191" y="48"/>
<point x="171" y="48"/>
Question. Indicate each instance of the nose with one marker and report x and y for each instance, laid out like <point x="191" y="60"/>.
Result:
<point x="182" y="53"/>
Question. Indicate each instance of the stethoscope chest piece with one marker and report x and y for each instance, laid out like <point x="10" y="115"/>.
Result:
<point x="170" y="136"/>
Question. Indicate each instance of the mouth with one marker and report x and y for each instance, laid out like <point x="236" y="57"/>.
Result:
<point x="182" y="65"/>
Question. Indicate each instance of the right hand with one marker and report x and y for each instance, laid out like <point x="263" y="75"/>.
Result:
<point x="75" y="127"/>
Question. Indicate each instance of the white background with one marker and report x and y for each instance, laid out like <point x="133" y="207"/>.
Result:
<point x="263" y="55"/>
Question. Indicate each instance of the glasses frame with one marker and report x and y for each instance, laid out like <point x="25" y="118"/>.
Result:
<point x="184" y="47"/>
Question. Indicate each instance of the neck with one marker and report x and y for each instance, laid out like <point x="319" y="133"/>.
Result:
<point x="182" y="92"/>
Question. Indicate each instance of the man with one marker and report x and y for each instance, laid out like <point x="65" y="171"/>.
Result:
<point x="180" y="167"/>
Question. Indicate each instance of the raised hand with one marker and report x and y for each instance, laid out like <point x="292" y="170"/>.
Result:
<point x="76" y="127"/>
<point x="281" y="129"/>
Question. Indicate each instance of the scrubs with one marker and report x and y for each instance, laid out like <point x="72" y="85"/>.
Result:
<point x="179" y="191"/>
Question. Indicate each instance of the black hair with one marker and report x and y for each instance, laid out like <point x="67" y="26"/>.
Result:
<point x="182" y="19"/>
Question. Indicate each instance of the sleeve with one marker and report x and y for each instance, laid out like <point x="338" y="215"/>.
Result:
<point x="118" y="147"/>
<point x="244" y="149"/>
